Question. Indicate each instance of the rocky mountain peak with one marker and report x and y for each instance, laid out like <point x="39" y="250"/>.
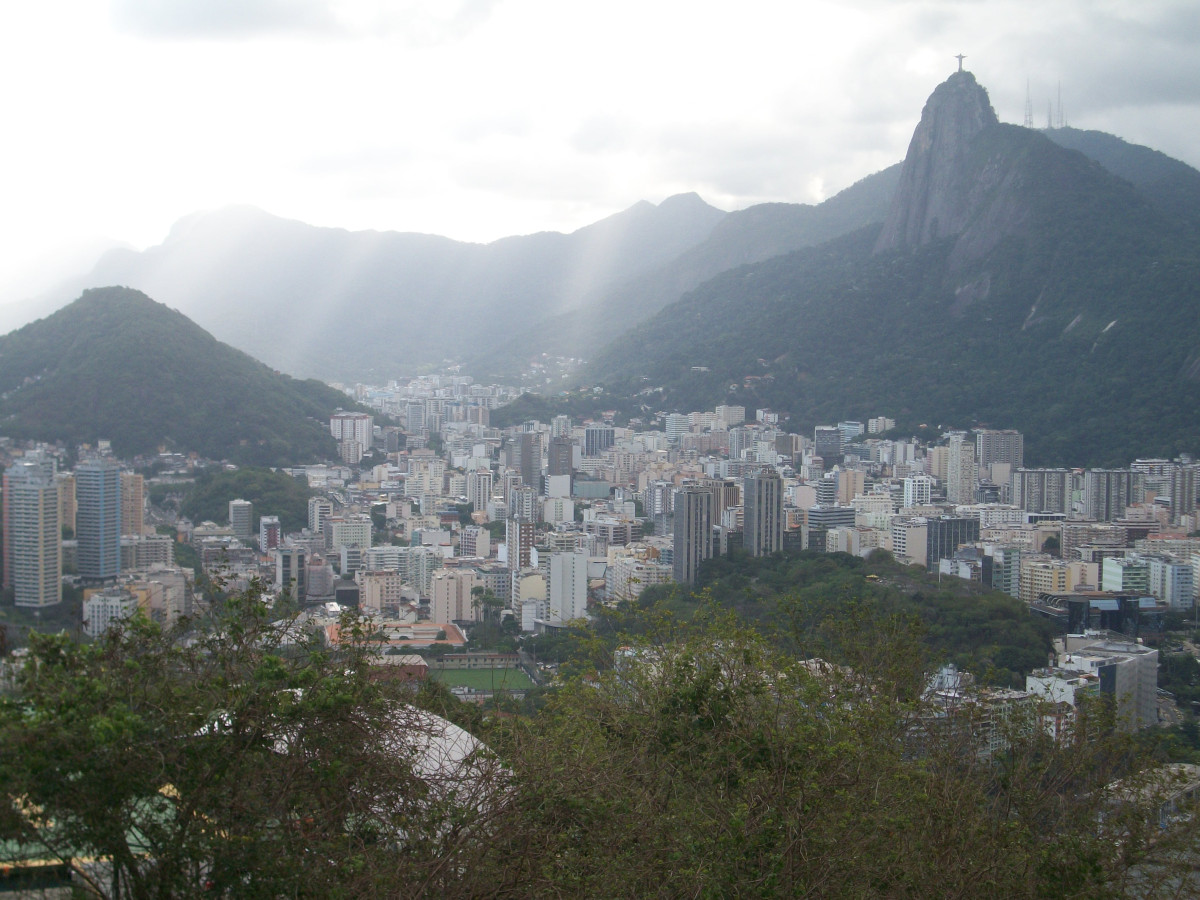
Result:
<point x="931" y="199"/>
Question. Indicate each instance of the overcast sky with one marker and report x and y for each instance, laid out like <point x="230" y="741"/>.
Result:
<point x="478" y="119"/>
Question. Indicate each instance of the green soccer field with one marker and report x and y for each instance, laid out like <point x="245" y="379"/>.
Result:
<point x="484" y="679"/>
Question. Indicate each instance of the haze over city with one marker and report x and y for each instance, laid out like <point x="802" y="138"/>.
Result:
<point x="483" y="119"/>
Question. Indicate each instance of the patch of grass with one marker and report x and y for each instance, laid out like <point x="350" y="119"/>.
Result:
<point x="483" y="679"/>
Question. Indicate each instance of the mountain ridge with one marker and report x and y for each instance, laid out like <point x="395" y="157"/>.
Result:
<point x="1061" y="281"/>
<point x="115" y="364"/>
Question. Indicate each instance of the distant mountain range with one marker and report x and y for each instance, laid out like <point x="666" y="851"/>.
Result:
<point x="115" y="364"/>
<point x="353" y="306"/>
<point x="1040" y="280"/>
<point x="1013" y="283"/>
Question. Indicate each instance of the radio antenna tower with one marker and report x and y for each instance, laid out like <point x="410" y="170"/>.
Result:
<point x="1028" y="106"/>
<point x="1049" y="115"/>
<point x="1060" y="112"/>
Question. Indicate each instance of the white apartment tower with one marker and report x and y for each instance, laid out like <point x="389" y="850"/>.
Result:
<point x="32" y="536"/>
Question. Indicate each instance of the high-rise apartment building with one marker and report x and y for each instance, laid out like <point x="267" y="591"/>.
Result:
<point x="475" y="541"/>
<point x="568" y="587"/>
<point x="241" y="518"/>
<point x="918" y="491"/>
<point x="827" y="444"/>
<point x="451" y="598"/>
<point x="676" y="425"/>
<point x="992" y="446"/>
<point x="350" y="531"/>
<point x="291" y="571"/>
<point x="133" y="503"/>
<point x="559" y="456"/>
<point x="1042" y="490"/>
<point x="269" y="533"/>
<point x="98" y="519"/>
<point x="962" y="474"/>
<point x="320" y="510"/>
<point x="66" y="500"/>
<point x="479" y="488"/>
<point x="1107" y="492"/>
<point x="32" y="534"/>
<point x="1183" y="479"/>
<point x="353" y="426"/>
<point x="597" y="439"/>
<point x="526" y="458"/>
<point x="693" y="538"/>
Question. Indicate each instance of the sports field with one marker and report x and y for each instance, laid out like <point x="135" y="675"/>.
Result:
<point x="484" y="679"/>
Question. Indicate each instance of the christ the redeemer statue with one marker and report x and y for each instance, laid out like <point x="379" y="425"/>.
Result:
<point x="960" y="58"/>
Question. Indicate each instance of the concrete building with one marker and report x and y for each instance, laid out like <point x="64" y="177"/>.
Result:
<point x="241" y="518"/>
<point x="269" y="533"/>
<point x="1108" y="492"/>
<point x="962" y="473"/>
<point x="1126" y="575"/>
<point x="1183" y="479"/>
<point x="350" y="531"/>
<point x="827" y="444"/>
<point x="102" y="609"/>
<point x="479" y="488"/>
<point x="66" y="500"/>
<point x="320" y="511"/>
<point x="1042" y="490"/>
<point x="291" y="575"/>
<point x="1123" y="670"/>
<point x="568" y="587"/>
<point x="474" y="541"/>
<point x="918" y="491"/>
<point x="693" y="540"/>
<point x="763" y="513"/>
<point x="353" y="426"/>
<point x="451" y="598"/>
<point x="992" y="446"/>
<point x="133" y="503"/>
<point x="98" y="519"/>
<point x="1172" y="581"/>
<point x="32" y="534"/>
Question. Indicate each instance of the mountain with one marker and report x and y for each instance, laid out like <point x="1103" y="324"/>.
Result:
<point x="115" y="364"/>
<point x="745" y="236"/>
<point x="349" y="305"/>
<point x="1013" y="283"/>
<point x="1172" y="186"/>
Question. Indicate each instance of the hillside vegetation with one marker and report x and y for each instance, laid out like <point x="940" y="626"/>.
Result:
<point x="114" y="364"/>
<point x="1079" y="326"/>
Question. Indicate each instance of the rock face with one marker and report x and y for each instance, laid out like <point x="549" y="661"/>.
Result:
<point x="933" y="199"/>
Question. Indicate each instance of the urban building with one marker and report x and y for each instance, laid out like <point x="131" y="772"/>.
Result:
<point x="993" y="446"/>
<point x="32" y="534"/>
<point x="763" y="513"/>
<point x="133" y="503"/>
<point x="568" y="587"/>
<point x="269" y="533"/>
<point x="353" y="426"/>
<point x="1042" y="490"/>
<point x="693" y="537"/>
<point x="962" y="473"/>
<point x="451" y="598"/>
<point x="241" y="519"/>
<point x="98" y="519"/>
<point x="103" y="609"/>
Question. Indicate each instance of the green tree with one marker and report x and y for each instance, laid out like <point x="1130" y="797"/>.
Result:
<point x="249" y="760"/>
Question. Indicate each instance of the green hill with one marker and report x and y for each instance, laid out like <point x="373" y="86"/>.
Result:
<point x="115" y="364"/>
<point x="1015" y="284"/>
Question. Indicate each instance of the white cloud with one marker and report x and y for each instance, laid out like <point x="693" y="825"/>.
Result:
<point x="481" y="118"/>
